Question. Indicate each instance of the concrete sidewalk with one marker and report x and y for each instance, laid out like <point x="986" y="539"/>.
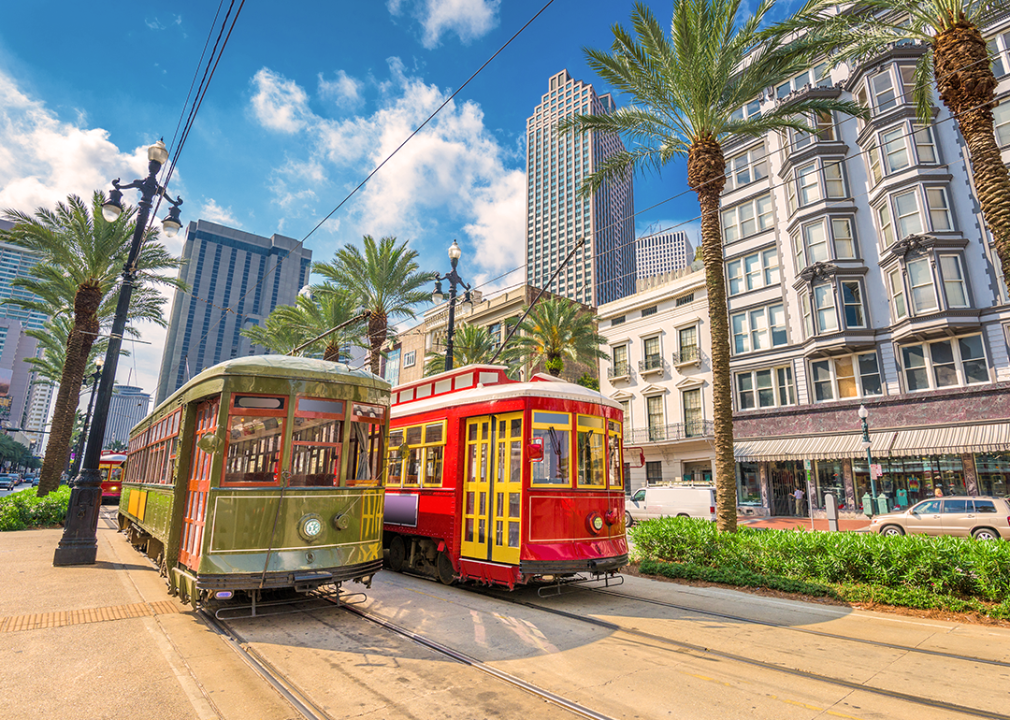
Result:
<point x="107" y="641"/>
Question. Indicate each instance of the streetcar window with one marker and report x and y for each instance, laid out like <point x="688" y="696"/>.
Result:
<point x="551" y="431"/>
<point x="364" y="464"/>
<point x="423" y="453"/>
<point x="616" y="458"/>
<point x="315" y="450"/>
<point x="254" y="450"/>
<point x="314" y="405"/>
<point x="395" y="459"/>
<point x="591" y="471"/>
<point x="433" y="466"/>
<point x="256" y="402"/>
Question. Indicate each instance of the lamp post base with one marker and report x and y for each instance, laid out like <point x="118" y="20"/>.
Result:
<point x="79" y="544"/>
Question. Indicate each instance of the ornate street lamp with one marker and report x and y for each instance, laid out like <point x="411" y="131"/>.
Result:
<point x="79" y="544"/>
<point x="437" y="296"/>
<point x="79" y="450"/>
<point x="863" y="414"/>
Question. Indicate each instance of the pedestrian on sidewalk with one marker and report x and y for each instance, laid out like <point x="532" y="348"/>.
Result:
<point x="938" y="492"/>
<point x="798" y="498"/>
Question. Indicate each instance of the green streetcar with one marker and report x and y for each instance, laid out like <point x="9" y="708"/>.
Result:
<point x="261" y="473"/>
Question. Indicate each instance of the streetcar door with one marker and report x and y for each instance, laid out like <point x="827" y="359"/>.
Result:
<point x="477" y="489"/>
<point x="198" y="485"/>
<point x="507" y="488"/>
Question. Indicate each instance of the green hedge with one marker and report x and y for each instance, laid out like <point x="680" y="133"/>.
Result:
<point x="914" y="569"/>
<point x="25" y="509"/>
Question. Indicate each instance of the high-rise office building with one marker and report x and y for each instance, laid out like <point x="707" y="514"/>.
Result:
<point x="661" y="253"/>
<point x="236" y="279"/>
<point x="603" y="269"/>
<point x="128" y="406"/>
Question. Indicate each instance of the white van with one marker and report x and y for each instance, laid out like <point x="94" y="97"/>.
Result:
<point x="653" y="502"/>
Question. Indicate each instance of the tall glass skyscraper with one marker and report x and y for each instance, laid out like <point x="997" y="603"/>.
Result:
<point x="604" y="268"/>
<point x="236" y="279"/>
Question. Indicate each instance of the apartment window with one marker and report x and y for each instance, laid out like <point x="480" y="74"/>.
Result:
<point x="882" y="90"/>
<point x="824" y="308"/>
<point x="1001" y="120"/>
<point x="646" y="312"/>
<point x="620" y="360"/>
<point x="772" y="387"/>
<point x="841" y="232"/>
<point x="895" y="152"/>
<point x="999" y="50"/>
<point x="653" y="472"/>
<point x="906" y="211"/>
<point x="815" y="76"/>
<point x="694" y="424"/>
<point x="759" y="329"/>
<point x="925" y="145"/>
<point x="852" y="303"/>
<point x="898" y="295"/>
<point x="747" y="168"/>
<point x="652" y="352"/>
<point x="939" y="213"/>
<point x="816" y="243"/>
<point x="409" y="358"/>
<point x="809" y="188"/>
<point x="617" y="320"/>
<point x="392" y="374"/>
<point x="808" y="318"/>
<point x="654" y="405"/>
<point x="846" y="377"/>
<point x="809" y="182"/>
<point x="920" y="281"/>
<point x="685" y="299"/>
<point x="751" y="109"/>
<point x="945" y="363"/>
<point x="954" y="289"/>
<point x="688" y="343"/>
<point x="753" y="271"/>
<point x="875" y="170"/>
<point x="747" y="219"/>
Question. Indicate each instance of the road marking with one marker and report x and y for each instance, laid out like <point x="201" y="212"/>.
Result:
<point x="17" y="623"/>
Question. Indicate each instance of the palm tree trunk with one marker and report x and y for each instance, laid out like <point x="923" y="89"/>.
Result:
<point x="705" y="175"/>
<point x="82" y="337"/>
<point x="332" y="352"/>
<point x="967" y="88"/>
<point x="377" y="323"/>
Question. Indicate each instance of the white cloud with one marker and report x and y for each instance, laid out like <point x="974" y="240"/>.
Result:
<point x="43" y="159"/>
<point x="158" y="24"/>
<point x="215" y="213"/>
<point x="345" y="89"/>
<point x="279" y="104"/>
<point x="469" y="19"/>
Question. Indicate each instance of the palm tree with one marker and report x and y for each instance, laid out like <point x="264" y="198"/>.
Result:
<point x="385" y="280"/>
<point x="684" y="92"/>
<point x="555" y="330"/>
<point x="78" y="276"/>
<point x="289" y="326"/>
<point x="471" y="345"/>
<point x="955" y="59"/>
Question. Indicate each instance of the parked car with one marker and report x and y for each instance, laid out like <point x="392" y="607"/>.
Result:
<point x="983" y="518"/>
<point x="9" y="481"/>
<point x="673" y="501"/>
<point x="35" y="480"/>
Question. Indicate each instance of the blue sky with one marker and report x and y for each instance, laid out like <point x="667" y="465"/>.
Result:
<point x="308" y="98"/>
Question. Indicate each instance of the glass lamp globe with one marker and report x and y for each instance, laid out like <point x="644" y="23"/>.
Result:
<point x="454" y="252"/>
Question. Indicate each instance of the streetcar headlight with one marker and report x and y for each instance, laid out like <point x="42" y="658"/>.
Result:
<point x="310" y="527"/>
<point x="594" y="523"/>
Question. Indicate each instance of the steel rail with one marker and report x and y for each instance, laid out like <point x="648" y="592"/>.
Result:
<point x="808" y="631"/>
<point x="703" y="651"/>
<point x="554" y="699"/>
<point x="298" y="699"/>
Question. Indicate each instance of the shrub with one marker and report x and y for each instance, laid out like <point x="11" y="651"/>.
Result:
<point x="25" y="509"/>
<point x="914" y="566"/>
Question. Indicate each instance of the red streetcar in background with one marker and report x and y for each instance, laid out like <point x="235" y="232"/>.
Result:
<point x="110" y="465"/>
<point x="504" y="482"/>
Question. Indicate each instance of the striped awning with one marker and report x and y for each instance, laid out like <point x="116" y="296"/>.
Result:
<point x="810" y="447"/>
<point x="952" y="439"/>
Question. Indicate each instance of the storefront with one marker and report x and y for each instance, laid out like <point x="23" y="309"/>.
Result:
<point x="914" y="464"/>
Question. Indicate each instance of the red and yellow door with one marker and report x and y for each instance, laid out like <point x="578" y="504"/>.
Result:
<point x="492" y="489"/>
<point x="198" y="485"/>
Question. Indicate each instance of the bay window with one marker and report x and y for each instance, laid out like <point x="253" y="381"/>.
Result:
<point x="895" y="152"/>
<point x="810" y="186"/>
<point x="841" y="232"/>
<point x="771" y="387"/>
<point x="852" y="301"/>
<point x="920" y="281"/>
<point x="909" y="215"/>
<point x="897" y="295"/>
<point x="849" y="376"/>
<point x="954" y="289"/>
<point x="824" y="307"/>
<point x="1001" y="121"/>
<point x="747" y="219"/>
<point x="759" y="329"/>
<point x="945" y="363"/>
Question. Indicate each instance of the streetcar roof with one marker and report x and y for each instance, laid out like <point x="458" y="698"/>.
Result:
<point x="560" y="390"/>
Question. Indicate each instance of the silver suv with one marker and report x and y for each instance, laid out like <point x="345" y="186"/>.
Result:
<point x="983" y="518"/>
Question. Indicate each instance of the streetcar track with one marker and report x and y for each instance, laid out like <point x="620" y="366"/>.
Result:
<point x="298" y="699"/>
<point x="701" y="650"/>
<point x="808" y="631"/>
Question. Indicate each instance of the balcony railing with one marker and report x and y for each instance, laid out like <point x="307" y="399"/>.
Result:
<point x="687" y="354"/>
<point x="653" y="363"/>
<point x="619" y="370"/>
<point x="668" y="433"/>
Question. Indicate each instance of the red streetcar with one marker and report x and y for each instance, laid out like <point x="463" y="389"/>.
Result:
<point x="110" y="465"/>
<point x="504" y="482"/>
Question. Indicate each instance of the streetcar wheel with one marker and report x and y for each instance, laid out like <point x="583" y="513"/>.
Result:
<point x="628" y="520"/>
<point x="397" y="554"/>
<point x="446" y="574"/>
